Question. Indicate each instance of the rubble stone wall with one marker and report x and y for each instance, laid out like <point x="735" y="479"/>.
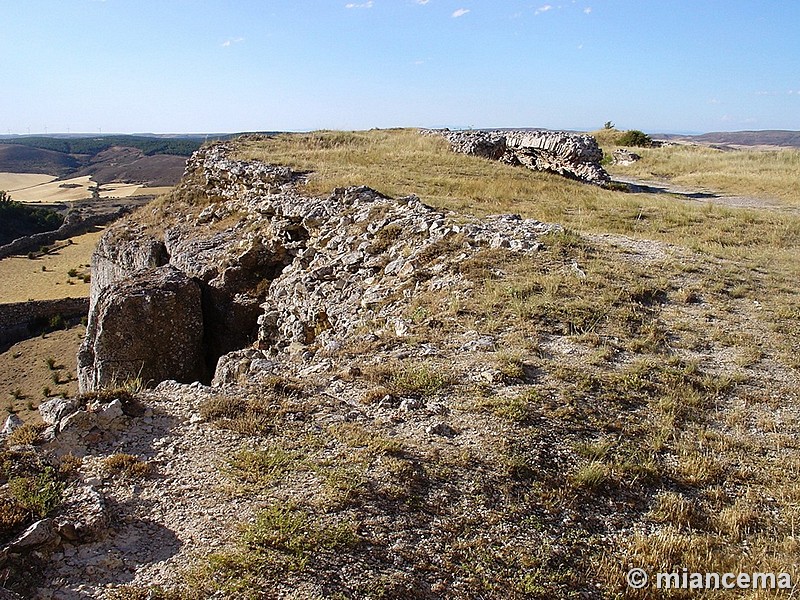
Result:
<point x="19" y="320"/>
<point x="569" y="154"/>
<point x="291" y="273"/>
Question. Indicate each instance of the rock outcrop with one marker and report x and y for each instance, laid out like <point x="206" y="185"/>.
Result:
<point x="149" y="326"/>
<point x="572" y="155"/>
<point x="622" y="156"/>
<point x="286" y="272"/>
<point x="114" y="258"/>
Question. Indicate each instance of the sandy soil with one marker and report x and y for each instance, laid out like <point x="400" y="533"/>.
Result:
<point x="46" y="277"/>
<point x="24" y="372"/>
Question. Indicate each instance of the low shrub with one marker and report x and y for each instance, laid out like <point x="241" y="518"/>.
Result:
<point x="39" y="494"/>
<point x="634" y="137"/>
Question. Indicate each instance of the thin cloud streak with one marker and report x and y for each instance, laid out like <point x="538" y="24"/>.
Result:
<point x="230" y="42"/>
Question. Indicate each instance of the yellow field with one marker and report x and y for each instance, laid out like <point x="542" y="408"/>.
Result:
<point x="67" y="190"/>
<point x="23" y="278"/>
<point x="25" y="187"/>
<point x="12" y="182"/>
<point x="119" y="190"/>
<point x="152" y="191"/>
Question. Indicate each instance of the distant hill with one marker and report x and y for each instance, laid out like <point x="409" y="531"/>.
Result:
<point x="767" y="137"/>
<point x="131" y="159"/>
<point x="149" y="159"/>
<point x="24" y="159"/>
<point x="126" y="164"/>
<point x="94" y="144"/>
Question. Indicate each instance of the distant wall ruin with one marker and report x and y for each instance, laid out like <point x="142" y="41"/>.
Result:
<point x="572" y="155"/>
<point x="21" y="320"/>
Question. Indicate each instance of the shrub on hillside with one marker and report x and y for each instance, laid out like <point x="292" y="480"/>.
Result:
<point x="634" y="137"/>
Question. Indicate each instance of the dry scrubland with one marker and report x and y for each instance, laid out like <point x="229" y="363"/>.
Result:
<point x="642" y="406"/>
<point x="37" y="369"/>
<point x="650" y="414"/>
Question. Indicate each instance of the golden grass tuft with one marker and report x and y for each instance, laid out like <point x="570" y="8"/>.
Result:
<point x="127" y="465"/>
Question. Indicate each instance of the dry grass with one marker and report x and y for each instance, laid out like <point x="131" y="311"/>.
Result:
<point x="47" y="276"/>
<point x="402" y="162"/>
<point x="127" y="465"/>
<point x="766" y="174"/>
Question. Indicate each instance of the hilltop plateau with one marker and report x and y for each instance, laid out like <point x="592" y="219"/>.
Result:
<point x="363" y="365"/>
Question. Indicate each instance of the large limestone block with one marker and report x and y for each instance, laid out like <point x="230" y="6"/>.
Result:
<point x="123" y="249"/>
<point x="150" y="326"/>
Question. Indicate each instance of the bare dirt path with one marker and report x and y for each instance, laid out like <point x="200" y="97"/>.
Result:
<point x="647" y="186"/>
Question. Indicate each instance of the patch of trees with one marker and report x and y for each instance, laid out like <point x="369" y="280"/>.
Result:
<point x="17" y="219"/>
<point x="93" y="145"/>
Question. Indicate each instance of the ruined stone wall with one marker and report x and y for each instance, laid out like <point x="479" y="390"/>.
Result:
<point x="572" y="155"/>
<point x="19" y="320"/>
<point x="290" y="273"/>
<point x="69" y="229"/>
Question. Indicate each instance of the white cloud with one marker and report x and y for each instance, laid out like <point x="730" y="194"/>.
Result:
<point x="543" y="9"/>
<point x="422" y="1"/>
<point x="587" y="10"/>
<point x="228" y="43"/>
<point x="367" y="4"/>
<point x="460" y="12"/>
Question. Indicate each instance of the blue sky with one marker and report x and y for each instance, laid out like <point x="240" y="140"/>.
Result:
<point x="242" y="65"/>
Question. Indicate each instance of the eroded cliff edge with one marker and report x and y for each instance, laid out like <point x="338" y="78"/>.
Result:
<point x="243" y="263"/>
